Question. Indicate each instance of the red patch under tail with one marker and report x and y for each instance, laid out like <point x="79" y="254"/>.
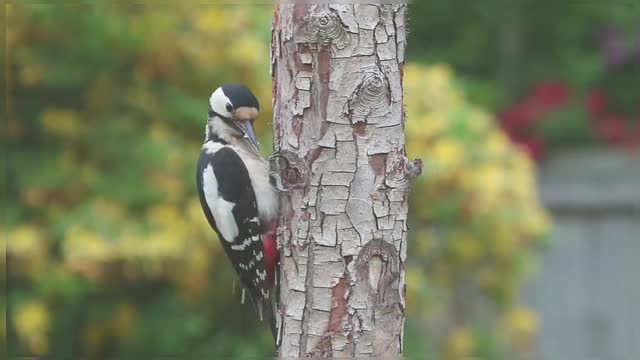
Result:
<point x="270" y="249"/>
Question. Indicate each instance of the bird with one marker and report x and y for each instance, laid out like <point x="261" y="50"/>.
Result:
<point x="237" y="198"/>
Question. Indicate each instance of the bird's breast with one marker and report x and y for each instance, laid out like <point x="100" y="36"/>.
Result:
<point x="266" y="195"/>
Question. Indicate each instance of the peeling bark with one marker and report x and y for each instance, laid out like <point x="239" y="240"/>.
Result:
<point x="339" y="136"/>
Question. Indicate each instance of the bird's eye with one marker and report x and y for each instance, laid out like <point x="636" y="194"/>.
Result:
<point x="229" y="107"/>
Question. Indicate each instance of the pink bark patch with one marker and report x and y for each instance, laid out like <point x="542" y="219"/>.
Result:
<point x="378" y="163"/>
<point x="360" y="128"/>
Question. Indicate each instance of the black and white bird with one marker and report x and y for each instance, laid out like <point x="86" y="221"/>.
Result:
<point x="236" y="195"/>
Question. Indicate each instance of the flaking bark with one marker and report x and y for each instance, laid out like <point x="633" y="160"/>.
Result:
<point x="339" y="136"/>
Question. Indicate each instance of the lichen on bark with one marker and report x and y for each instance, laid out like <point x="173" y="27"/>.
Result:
<point x="339" y="136"/>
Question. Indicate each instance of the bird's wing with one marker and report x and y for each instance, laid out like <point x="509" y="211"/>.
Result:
<point x="229" y="203"/>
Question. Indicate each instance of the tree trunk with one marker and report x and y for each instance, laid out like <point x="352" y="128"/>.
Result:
<point x="339" y="133"/>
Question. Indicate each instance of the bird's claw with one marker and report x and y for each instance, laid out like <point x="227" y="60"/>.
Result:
<point x="275" y="155"/>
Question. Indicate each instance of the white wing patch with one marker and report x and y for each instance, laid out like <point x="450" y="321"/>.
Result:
<point x="220" y="208"/>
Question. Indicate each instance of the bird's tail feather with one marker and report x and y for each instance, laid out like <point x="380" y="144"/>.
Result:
<point x="264" y="308"/>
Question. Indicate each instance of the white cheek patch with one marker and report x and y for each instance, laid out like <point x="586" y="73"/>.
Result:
<point x="218" y="102"/>
<point x="220" y="208"/>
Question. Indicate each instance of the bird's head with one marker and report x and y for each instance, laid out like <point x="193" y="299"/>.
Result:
<point x="232" y="110"/>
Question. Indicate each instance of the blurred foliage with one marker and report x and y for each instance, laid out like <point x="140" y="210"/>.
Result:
<point x="109" y="253"/>
<point x="504" y="50"/>
<point x="515" y="44"/>
<point x="476" y="215"/>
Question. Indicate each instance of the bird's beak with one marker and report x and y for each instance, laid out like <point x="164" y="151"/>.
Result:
<point x="244" y="117"/>
<point x="249" y="134"/>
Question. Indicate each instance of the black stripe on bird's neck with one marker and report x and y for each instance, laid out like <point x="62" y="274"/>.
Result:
<point x="227" y="120"/>
<point x="211" y="136"/>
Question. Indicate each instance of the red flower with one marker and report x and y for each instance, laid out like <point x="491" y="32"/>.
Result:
<point x="596" y="103"/>
<point x="520" y="116"/>
<point x="613" y="128"/>
<point x="551" y="94"/>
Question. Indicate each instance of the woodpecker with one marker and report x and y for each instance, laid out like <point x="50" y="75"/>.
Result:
<point x="236" y="195"/>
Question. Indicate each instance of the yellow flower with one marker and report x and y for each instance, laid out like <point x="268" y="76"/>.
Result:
<point x="505" y="244"/>
<point x="246" y="50"/>
<point x="412" y="78"/>
<point x="466" y="247"/>
<point x="414" y="281"/>
<point x="537" y="222"/>
<point x="61" y="122"/>
<point x="211" y="19"/>
<point x="427" y="126"/>
<point x="196" y="217"/>
<point x="437" y="92"/>
<point x="489" y="178"/>
<point x="83" y="244"/>
<point x="131" y="243"/>
<point x="439" y="75"/>
<point x="522" y="325"/>
<point x="486" y="186"/>
<point x="164" y="244"/>
<point x="32" y="323"/>
<point x="479" y="121"/>
<point x="26" y="241"/>
<point x="460" y="344"/>
<point x="497" y="145"/>
<point x="162" y="215"/>
<point x="448" y="153"/>
<point x="31" y="74"/>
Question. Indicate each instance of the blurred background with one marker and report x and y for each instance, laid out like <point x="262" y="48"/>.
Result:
<point x="525" y="223"/>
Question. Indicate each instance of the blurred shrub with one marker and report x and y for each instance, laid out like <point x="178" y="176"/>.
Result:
<point x="109" y="252"/>
<point x="553" y="115"/>
<point x="476" y="215"/>
<point x="508" y="53"/>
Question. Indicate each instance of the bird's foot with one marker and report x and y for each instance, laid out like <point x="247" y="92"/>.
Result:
<point x="276" y="181"/>
<point x="275" y="155"/>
